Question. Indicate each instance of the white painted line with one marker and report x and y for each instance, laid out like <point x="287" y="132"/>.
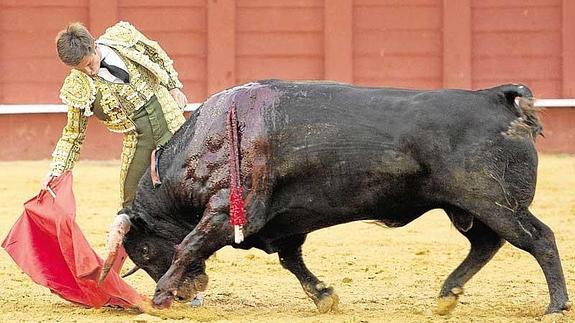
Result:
<point x="60" y="108"/>
<point x="31" y="108"/>
<point x="54" y="108"/>
<point x="555" y="103"/>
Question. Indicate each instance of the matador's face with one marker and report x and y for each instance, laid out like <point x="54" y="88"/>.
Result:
<point x="90" y="64"/>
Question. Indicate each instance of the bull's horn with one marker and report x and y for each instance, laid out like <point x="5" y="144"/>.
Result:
<point x="118" y="229"/>
<point x="131" y="271"/>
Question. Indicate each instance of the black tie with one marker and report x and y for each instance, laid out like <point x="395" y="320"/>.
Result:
<point x="116" y="71"/>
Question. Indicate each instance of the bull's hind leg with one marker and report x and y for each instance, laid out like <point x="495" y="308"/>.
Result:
<point x="291" y="259"/>
<point x="484" y="244"/>
<point x="523" y="230"/>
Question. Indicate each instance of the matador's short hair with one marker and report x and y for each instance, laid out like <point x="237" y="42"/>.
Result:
<point x="74" y="43"/>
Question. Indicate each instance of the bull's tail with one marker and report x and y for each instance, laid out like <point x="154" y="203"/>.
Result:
<point x="521" y="102"/>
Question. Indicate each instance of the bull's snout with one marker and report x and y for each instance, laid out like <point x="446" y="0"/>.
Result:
<point x="163" y="299"/>
<point x="172" y="287"/>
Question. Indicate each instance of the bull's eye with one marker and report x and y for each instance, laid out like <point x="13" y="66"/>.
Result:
<point x="145" y="253"/>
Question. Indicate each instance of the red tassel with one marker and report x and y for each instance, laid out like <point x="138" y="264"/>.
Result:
<point x="237" y="214"/>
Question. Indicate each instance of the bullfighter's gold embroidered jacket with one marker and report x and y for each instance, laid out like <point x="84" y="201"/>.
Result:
<point x="151" y="73"/>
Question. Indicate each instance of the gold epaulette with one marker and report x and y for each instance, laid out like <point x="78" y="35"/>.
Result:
<point x="78" y="91"/>
<point x="122" y="33"/>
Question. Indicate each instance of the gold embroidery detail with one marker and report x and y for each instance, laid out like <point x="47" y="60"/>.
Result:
<point x="132" y="96"/>
<point x="159" y="56"/>
<point x="78" y="91"/>
<point x="122" y="33"/>
<point x="128" y="151"/>
<point x="68" y="147"/>
<point x="172" y="113"/>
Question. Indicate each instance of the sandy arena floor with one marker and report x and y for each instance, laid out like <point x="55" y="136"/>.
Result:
<point x="380" y="275"/>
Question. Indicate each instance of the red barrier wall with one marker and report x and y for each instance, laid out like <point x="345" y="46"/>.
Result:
<point x="219" y="43"/>
<point x="558" y="128"/>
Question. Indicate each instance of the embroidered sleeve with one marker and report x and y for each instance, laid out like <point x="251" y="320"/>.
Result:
<point x="157" y="55"/>
<point x="68" y="147"/>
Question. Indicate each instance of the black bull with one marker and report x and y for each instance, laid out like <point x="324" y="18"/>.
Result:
<point x="316" y="154"/>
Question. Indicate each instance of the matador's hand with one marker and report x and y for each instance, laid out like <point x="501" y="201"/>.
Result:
<point x="179" y="97"/>
<point x="45" y="181"/>
<point x="45" y="185"/>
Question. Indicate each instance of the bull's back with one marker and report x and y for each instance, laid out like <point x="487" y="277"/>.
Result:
<point x="331" y="125"/>
<point x="331" y="118"/>
<point x="340" y="148"/>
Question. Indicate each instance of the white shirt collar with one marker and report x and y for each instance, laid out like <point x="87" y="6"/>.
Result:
<point x="111" y="58"/>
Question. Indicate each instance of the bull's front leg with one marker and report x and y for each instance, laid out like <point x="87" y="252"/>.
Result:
<point x="186" y="276"/>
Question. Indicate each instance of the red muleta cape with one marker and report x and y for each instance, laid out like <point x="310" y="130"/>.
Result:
<point x="48" y="245"/>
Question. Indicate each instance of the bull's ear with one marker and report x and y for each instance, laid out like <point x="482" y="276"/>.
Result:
<point x="137" y="221"/>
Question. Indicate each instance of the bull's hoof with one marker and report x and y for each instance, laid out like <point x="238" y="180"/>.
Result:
<point x="324" y="297"/>
<point x="446" y="304"/>
<point x="327" y="303"/>
<point x="560" y="309"/>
